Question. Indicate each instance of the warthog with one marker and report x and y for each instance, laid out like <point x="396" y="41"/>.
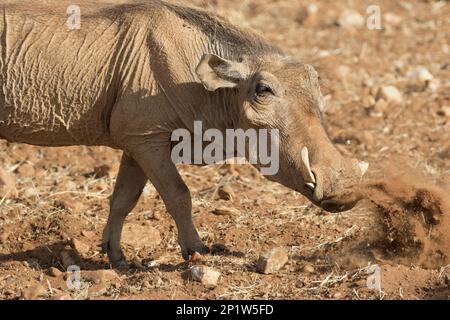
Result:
<point x="134" y="73"/>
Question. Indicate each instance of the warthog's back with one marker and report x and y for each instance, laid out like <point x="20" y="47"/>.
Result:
<point x="58" y="85"/>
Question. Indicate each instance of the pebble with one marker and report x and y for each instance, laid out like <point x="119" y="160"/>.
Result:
<point x="444" y="111"/>
<point x="308" y="268"/>
<point x="390" y="94"/>
<point x="62" y="296"/>
<point x="100" y="276"/>
<point x="7" y="185"/>
<point x="225" y="192"/>
<point x="88" y="234"/>
<point x="54" y="272"/>
<point x="337" y="295"/>
<point x="26" y="170"/>
<point x="392" y="18"/>
<point x="34" y="292"/>
<point x="30" y="193"/>
<point x="205" y="275"/>
<point x="224" y="211"/>
<point x="272" y="260"/>
<point x="81" y="247"/>
<point x="351" y="19"/>
<point x="419" y="74"/>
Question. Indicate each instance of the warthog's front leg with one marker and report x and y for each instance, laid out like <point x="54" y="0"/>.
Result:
<point x="162" y="172"/>
<point x="130" y="182"/>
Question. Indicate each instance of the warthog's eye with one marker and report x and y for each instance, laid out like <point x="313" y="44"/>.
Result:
<point x="263" y="90"/>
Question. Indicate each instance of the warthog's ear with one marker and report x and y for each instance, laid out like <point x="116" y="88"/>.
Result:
<point x="216" y="72"/>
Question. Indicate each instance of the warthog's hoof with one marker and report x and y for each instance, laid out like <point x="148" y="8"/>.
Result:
<point x="116" y="258"/>
<point x="200" y="248"/>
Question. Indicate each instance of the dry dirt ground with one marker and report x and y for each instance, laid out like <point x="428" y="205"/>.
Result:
<point x="63" y="192"/>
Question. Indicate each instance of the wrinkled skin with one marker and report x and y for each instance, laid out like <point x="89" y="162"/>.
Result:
<point x="135" y="73"/>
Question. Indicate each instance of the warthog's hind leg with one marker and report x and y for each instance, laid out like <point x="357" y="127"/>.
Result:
<point x="129" y="185"/>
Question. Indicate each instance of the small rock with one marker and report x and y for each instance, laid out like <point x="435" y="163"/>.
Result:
<point x="34" y="292"/>
<point x="54" y="272"/>
<point x="62" y="296"/>
<point x="26" y="170"/>
<point x="7" y="185"/>
<point x="342" y="72"/>
<point x="419" y="74"/>
<point x="98" y="290"/>
<point x="30" y="193"/>
<point x="444" y="112"/>
<point x="224" y="211"/>
<point x="88" y="234"/>
<point x="390" y="94"/>
<point x="337" y="295"/>
<point x="308" y="16"/>
<point x="392" y="19"/>
<point x="100" y="171"/>
<point x="271" y="261"/>
<point x="81" y="247"/>
<point x="100" y="276"/>
<point x="308" y="268"/>
<point x="139" y="236"/>
<point x="205" y="275"/>
<point x="434" y="85"/>
<point x="351" y="19"/>
<point x="225" y="192"/>
<point x="70" y="185"/>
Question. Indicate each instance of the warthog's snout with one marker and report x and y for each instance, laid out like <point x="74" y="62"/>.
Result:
<point x="331" y="184"/>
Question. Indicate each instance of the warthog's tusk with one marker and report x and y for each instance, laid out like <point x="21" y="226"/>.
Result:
<point x="305" y="159"/>
<point x="363" y="166"/>
<point x="310" y="185"/>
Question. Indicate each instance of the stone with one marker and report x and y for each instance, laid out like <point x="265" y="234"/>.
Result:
<point x="54" y="272"/>
<point x="7" y="185"/>
<point x="342" y="72"/>
<point x="81" y="247"/>
<point x="272" y="260"/>
<point x="444" y="111"/>
<point x="88" y="234"/>
<point x="337" y="295"/>
<point x="205" y="275"/>
<point x="225" y="211"/>
<point x="33" y="292"/>
<point x="390" y="94"/>
<point x="62" y="296"/>
<point x="392" y="19"/>
<point x="225" y="192"/>
<point x="70" y="186"/>
<point x="30" y="193"/>
<point x="308" y="268"/>
<point x="98" y="290"/>
<point x="351" y="19"/>
<point x="420" y="74"/>
<point x="26" y="170"/>
<point x="139" y="236"/>
<point x="99" y="276"/>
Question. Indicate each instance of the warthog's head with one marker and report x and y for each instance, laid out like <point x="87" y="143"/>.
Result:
<point x="276" y="93"/>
